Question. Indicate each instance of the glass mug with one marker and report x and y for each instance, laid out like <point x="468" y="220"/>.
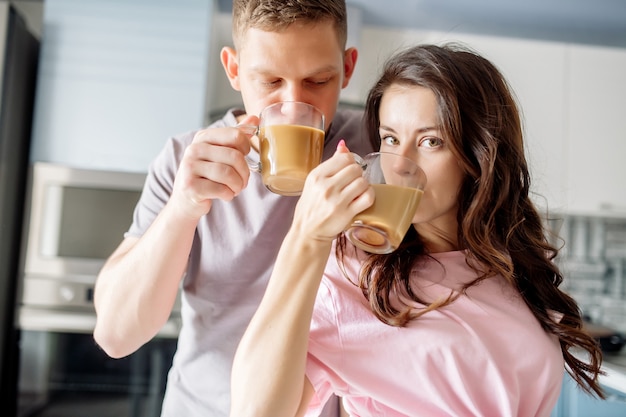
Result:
<point x="291" y="143"/>
<point x="398" y="184"/>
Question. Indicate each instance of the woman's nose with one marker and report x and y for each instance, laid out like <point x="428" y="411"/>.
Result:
<point x="405" y="166"/>
<point x="408" y="152"/>
<point x="399" y="170"/>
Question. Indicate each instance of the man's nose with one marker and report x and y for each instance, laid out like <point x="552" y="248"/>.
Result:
<point x="293" y="92"/>
<point x="289" y="111"/>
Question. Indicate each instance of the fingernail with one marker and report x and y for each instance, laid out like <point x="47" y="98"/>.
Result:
<point x="342" y="143"/>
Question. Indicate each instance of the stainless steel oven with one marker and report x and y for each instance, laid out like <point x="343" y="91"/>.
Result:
<point x="64" y="374"/>
<point x="75" y="218"/>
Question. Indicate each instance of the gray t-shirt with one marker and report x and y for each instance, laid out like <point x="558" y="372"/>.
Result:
<point x="229" y="265"/>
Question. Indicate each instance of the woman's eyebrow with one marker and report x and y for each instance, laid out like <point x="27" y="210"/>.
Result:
<point x="420" y="130"/>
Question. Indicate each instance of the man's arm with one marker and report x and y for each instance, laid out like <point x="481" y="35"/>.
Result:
<point x="137" y="287"/>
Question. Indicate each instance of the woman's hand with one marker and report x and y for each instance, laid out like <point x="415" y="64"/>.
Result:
<point x="334" y="192"/>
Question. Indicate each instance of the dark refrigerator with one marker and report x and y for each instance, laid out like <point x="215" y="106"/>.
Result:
<point x="19" y="53"/>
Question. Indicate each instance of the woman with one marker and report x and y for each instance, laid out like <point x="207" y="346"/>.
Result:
<point x="465" y="318"/>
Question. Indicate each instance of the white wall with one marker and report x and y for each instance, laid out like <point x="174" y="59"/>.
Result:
<point x="117" y="78"/>
<point x="221" y="95"/>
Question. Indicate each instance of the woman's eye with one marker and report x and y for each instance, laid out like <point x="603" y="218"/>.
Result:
<point x="389" y="140"/>
<point x="431" y="142"/>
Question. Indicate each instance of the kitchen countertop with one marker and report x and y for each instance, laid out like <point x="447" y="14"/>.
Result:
<point x="614" y="364"/>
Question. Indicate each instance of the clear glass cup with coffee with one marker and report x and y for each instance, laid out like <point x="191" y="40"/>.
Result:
<point x="398" y="184"/>
<point x="291" y="143"/>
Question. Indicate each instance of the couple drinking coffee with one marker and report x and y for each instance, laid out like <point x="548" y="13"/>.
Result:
<point x="471" y="292"/>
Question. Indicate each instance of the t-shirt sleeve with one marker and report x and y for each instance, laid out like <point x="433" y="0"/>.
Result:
<point x="159" y="184"/>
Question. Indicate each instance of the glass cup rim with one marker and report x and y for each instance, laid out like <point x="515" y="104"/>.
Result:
<point x="361" y="160"/>
<point x="283" y="102"/>
<point x="377" y="153"/>
<point x="252" y="130"/>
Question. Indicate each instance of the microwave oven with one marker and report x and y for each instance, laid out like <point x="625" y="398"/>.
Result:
<point x="75" y="219"/>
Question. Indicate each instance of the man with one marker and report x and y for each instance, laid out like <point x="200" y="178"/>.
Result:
<point x="203" y="218"/>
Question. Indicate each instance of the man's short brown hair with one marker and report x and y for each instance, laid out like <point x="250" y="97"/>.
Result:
<point x="277" y="15"/>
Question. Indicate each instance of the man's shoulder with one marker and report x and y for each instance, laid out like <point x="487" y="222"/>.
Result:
<point x="347" y="121"/>
<point x="349" y="115"/>
<point x="348" y="124"/>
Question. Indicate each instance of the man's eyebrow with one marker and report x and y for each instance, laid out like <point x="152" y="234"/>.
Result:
<point x="317" y="71"/>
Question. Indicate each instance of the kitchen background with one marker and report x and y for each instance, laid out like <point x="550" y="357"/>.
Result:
<point x="116" y="77"/>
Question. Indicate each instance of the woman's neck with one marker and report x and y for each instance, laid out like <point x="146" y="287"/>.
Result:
<point x="437" y="240"/>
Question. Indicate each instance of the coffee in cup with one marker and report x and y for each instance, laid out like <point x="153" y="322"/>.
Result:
<point x="288" y="153"/>
<point x="398" y="184"/>
<point x="291" y="143"/>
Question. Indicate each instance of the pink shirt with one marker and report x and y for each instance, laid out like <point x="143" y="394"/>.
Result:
<point x="483" y="355"/>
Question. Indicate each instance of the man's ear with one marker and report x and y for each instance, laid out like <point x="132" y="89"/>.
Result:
<point x="349" y="62"/>
<point x="228" y="56"/>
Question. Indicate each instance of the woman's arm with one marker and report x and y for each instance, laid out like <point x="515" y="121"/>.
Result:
<point x="268" y="377"/>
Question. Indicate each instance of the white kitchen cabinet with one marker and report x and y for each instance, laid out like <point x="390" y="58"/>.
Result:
<point x="596" y="129"/>
<point x="116" y="79"/>
<point x="535" y="70"/>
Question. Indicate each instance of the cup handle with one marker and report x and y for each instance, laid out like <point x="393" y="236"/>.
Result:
<point x="253" y="165"/>
<point x="250" y="130"/>
<point x="359" y="160"/>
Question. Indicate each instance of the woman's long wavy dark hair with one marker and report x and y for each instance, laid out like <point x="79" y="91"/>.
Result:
<point x="499" y="226"/>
